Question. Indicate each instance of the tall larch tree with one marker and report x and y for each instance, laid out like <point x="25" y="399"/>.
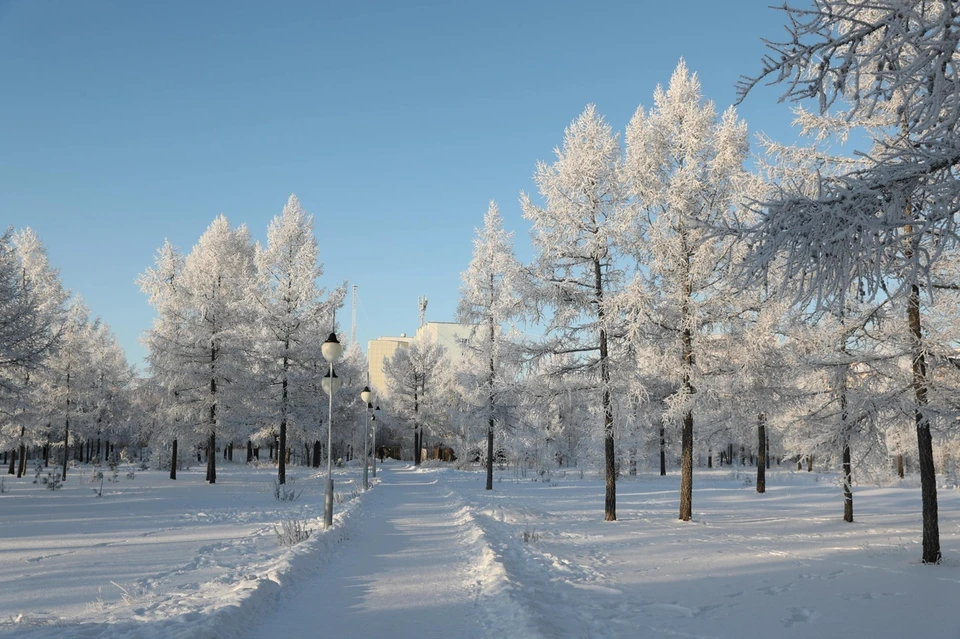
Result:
<point x="292" y="310"/>
<point x="488" y="301"/>
<point x="684" y="166"/>
<point x="204" y="355"/>
<point x="575" y="269"/>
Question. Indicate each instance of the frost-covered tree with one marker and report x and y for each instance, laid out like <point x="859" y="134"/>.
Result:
<point x="291" y="310"/>
<point x="67" y="379"/>
<point x="164" y="341"/>
<point x="685" y="170"/>
<point x="111" y="393"/>
<point x="413" y="377"/>
<point x="884" y="223"/>
<point x="575" y="273"/>
<point x="32" y="315"/>
<point x="201" y="342"/>
<point x="488" y="302"/>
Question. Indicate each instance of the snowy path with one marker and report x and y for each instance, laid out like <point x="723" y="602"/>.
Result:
<point x="411" y="569"/>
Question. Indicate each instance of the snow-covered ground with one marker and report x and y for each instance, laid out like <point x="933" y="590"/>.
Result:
<point x="428" y="552"/>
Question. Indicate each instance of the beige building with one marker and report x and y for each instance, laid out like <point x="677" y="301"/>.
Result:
<point x="447" y="334"/>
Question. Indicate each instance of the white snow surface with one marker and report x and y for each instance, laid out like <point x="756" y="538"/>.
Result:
<point x="427" y="552"/>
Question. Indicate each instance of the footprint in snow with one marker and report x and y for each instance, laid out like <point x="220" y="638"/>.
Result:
<point x="799" y="615"/>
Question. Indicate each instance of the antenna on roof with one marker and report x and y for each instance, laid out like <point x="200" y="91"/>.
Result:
<point x="422" y="303"/>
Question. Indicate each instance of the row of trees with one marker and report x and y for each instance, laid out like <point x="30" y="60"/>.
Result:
<point x="63" y="377"/>
<point x="234" y="352"/>
<point x="815" y="296"/>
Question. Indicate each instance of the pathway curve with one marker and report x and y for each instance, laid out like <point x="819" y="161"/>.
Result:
<point x="408" y="571"/>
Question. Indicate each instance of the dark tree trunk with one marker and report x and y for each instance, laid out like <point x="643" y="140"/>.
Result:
<point x="709" y="459"/>
<point x="22" y="465"/>
<point x="686" y="437"/>
<point x="491" y="399"/>
<point x="663" y="450"/>
<point x="66" y="432"/>
<point x="809" y="463"/>
<point x="762" y="455"/>
<point x="281" y="457"/>
<point x="212" y="459"/>
<point x="316" y="454"/>
<point x="173" y="461"/>
<point x="847" y="482"/>
<point x="730" y="454"/>
<point x="249" y="451"/>
<point x="928" y="476"/>
<point x="66" y="449"/>
<point x="490" y="456"/>
<point x="13" y="462"/>
<point x="282" y="445"/>
<point x="900" y="465"/>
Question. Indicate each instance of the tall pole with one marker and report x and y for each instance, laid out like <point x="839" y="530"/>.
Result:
<point x="366" y="450"/>
<point x="365" y="396"/>
<point x="331" y="350"/>
<point x="328" y="493"/>
<point x="375" y="411"/>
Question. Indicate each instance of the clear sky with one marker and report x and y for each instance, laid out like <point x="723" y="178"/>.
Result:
<point x="395" y="123"/>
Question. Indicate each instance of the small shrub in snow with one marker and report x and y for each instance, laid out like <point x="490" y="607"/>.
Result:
<point x="286" y="492"/>
<point x="529" y="536"/>
<point x="291" y="532"/>
<point x="52" y="481"/>
<point x="341" y="498"/>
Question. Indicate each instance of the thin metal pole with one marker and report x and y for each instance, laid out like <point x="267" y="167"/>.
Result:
<point x="374" y="447"/>
<point x="328" y="493"/>
<point x="366" y="450"/>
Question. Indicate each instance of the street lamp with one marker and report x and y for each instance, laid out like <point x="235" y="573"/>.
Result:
<point x="332" y="350"/>
<point x="365" y="396"/>
<point x="376" y="411"/>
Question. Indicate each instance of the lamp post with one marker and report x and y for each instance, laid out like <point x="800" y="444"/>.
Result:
<point x="376" y="411"/>
<point x="332" y="350"/>
<point x="365" y="396"/>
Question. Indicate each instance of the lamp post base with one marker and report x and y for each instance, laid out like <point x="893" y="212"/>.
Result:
<point x="328" y="504"/>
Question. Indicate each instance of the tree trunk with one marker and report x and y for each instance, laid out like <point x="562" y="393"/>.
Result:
<point x="490" y="455"/>
<point x="686" y="438"/>
<point x="212" y="458"/>
<point x="13" y="462"/>
<point x="316" y="453"/>
<point x="663" y="451"/>
<point x="762" y="453"/>
<point x="686" y="468"/>
<point x="847" y="482"/>
<point x="22" y="459"/>
<point x="928" y="476"/>
<point x="809" y="463"/>
<point x="900" y="465"/>
<point x="249" y="452"/>
<point x="610" y="457"/>
<point x="173" y="461"/>
<point x="282" y="466"/>
<point x="66" y="449"/>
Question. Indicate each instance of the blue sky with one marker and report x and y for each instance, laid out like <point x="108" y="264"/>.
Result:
<point x="395" y="123"/>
